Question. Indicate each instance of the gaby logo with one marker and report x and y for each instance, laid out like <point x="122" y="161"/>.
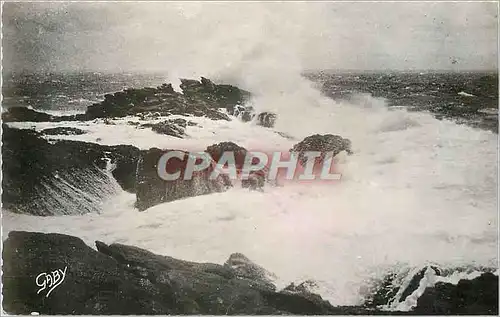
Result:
<point x="175" y="165"/>
<point x="50" y="280"/>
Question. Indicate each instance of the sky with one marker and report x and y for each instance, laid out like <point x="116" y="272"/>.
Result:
<point x="232" y="36"/>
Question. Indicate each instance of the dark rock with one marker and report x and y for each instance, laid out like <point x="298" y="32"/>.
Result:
<point x="469" y="297"/>
<point x="219" y="96"/>
<point x="321" y="143"/>
<point x="243" y="267"/>
<point x="255" y="180"/>
<point x="244" y="113"/>
<point x="63" y="131"/>
<point x="199" y="98"/>
<point x="415" y="281"/>
<point x="15" y="114"/>
<point x="388" y="291"/>
<point x="20" y="114"/>
<point x="66" y="177"/>
<point x="303" y="290"/>
<point x="217" y="150"/>
<point x="119" y="279"/>
<point x="166" y="127"/>
<point x="266" y="119"/>
<point x="152" y="190"/>
<point x="94" y="283"/>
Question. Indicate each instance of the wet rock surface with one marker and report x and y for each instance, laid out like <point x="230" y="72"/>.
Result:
<point x="266" y="119"/>
<point x="468" y="297"/>
<point x="67" y="177"/>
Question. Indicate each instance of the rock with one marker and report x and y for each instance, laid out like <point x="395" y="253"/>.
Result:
<point x="15" y="114"/>
<point x="303" y="290"/>
<point x="63" y="131"/>
<point x="244" y="113"/>
<point x="166" y="127"/>
<point x="256" y="179"/>
<point x="66" y="177"/>
<point x="119" y="279"/>
<point x="469" y="297"/>
<point x="245" y="268"/>
<point x="152" y="190"/>
<point x="217" y="150"/>
<point x="266" y="119"/>
<point x="389" y="291"/>
<point x="198" y="99"/>
<point x="321" y="143"/>
<point x="20" y="114"/>
<point x="219" y="96"/>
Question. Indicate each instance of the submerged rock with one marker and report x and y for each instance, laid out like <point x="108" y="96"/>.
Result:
<point x="321" y="143"/>
<point x="166" y="127"/>
<point x="244" y="113"/>
<point x="152" y="190"/>
<point x="266" y="119"/>
<point x="63" y="131"/>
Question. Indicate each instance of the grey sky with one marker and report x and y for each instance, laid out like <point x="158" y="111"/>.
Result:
<point x="223" y="37"/>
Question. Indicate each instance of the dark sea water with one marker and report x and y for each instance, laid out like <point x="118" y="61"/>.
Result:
<point x="467" y="98"/>
<point x="470" y="97"/>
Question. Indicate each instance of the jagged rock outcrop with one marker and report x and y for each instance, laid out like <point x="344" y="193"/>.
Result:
<point x="219" y="96"/>
<point x="199" y="98"/>
<point x="152" y="190"/>
<point x="475" y="296"/>
<point x="266" y="119"/>
<point x="65" y="177"/>
<point x="321" y="143"/>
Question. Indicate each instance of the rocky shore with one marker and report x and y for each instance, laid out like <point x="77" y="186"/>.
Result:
<point x="119" y="279"/>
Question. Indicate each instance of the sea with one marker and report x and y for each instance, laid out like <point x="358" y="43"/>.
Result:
<point x="420" y="189"/>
